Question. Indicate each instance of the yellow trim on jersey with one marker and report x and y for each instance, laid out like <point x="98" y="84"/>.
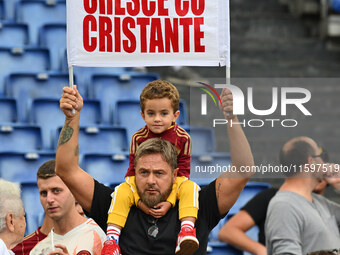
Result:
<point x="143" y="132"/>
<point x="182" y="133"/>
<point x="30" y="235"/>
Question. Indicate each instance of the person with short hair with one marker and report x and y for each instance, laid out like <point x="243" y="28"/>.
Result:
<point x="71" y="233"/>
<point x="154" y="177"/>
<point x="298" y="220"/>
<point x="12" y="216"/>
<point x="254" y="213"/>
<point x="31" y="240"/>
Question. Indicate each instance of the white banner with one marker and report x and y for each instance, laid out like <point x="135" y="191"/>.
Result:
<point x="124" y="33"/>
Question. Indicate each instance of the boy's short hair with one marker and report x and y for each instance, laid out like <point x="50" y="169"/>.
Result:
<point x="47" y="170"/>
<point x="160" y="89"/>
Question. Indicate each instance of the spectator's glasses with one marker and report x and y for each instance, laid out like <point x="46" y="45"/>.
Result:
<point x="153" y="230"/>
<point x="323" y="154"/>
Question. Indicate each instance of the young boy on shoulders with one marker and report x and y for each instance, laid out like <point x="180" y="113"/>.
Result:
<point x="159" y="103"/>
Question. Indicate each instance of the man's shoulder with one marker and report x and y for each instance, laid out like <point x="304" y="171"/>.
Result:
<point x="207" y="199"/>
<point x="102" y="188"/>
<point x="87" y="225"/>
<point x="257" y="207"/>
<point x="284" y="196"/>
<point x="286" y="203"/>
<point x="210" y="188"/>
<point x="268" y="193"/>
<point x="325" y="202"/>
<point x="91" y="227"/>
<point x="320" y="198"/>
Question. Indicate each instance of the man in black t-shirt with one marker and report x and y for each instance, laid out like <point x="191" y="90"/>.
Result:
<point x="143" y="234"/>
<point x="138" y="225"/>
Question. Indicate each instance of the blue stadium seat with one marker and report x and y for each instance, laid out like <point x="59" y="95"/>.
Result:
<point x="33" y="208"/>
<point x="13" y="35"/>
<point x="183" y="116"/>
<point x="2" y="10"/>
<point x="106" y="168"/>
<point x="101" y="139"/>
<point x="127" y="114"/>
<point x="22" y="60"/>
<point x="38" y="13"/>
<point x="8" y="108"/>
<point x="22" y="167"/>
<point x="249" y="191"/>
<point x="27" y="86"/>
<point x="20" y="138"/>
<point x="111" y="88"/>
<point x="84" y="74"/>
<point x="46" y="113"/>
<point x="9" y="9"/>
<point x="53" y="37"/>
<point x="207" y="167"/>
<point x="335" y="5"/>
<point x="203" y="139"/>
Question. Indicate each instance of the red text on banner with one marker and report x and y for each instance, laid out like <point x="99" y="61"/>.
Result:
<point x="117" y="28"/>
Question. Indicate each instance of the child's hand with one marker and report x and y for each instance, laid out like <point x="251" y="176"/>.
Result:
<point x="160" y="209"/>
<point x="143" y="207"/>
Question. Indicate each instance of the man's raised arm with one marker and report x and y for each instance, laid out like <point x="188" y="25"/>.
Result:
<point x="229" y="185"/>
<point x="77" y="180"/>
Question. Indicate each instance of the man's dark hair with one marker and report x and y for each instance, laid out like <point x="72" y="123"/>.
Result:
<point x="295" y="156"/>
<point x="46" y="170"/>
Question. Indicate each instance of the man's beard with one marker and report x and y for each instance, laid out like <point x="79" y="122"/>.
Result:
<point x="152" y="201"/>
